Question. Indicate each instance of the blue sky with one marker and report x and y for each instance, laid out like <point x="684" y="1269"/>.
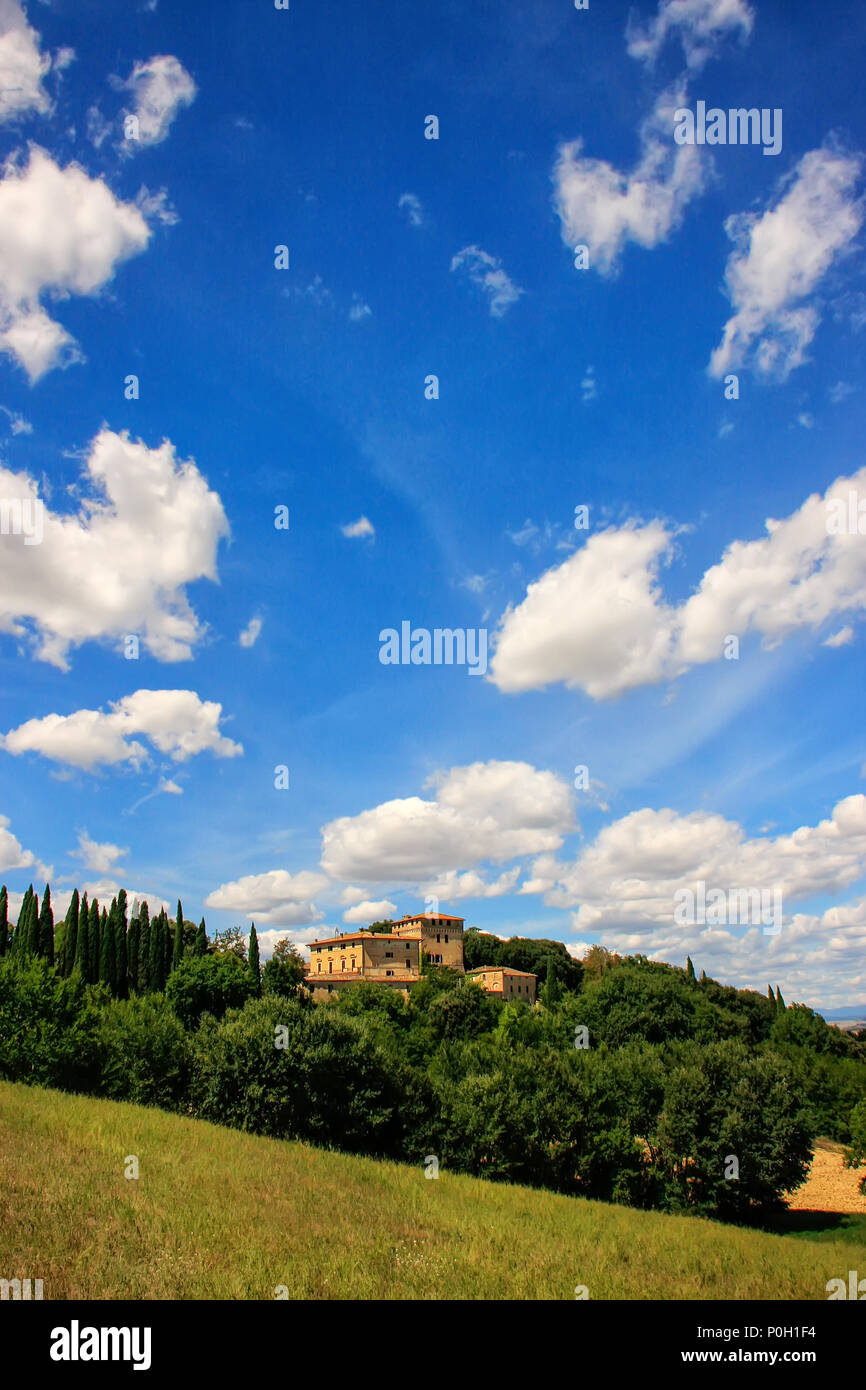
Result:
<point x="558" y="387"/>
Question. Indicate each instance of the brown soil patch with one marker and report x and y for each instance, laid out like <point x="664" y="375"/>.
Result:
<point x="830" y="1186"/>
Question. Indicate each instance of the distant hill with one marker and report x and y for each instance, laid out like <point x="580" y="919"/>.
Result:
<point x="218" y="1214"/>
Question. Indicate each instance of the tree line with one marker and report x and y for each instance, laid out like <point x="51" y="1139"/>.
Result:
<point x="135" y="956"/>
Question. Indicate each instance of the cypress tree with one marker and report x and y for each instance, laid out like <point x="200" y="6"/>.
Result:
<point x="781" y="1006"/>
<point x="200" y="947"/>
<point x="144" y="948"/>
<point x="31" y="926"/>
<point x="133" y="937"/>
<point x="70" y="935"/>
<point x="80" y="961"/>
<point x="770" y="994"/>
<point x="177" y="946"/>
<point x="19" y="941"/>
<point x="253" y="960"/>
<point x="552" y="991"/>
<point x="45" y="944"/>
<point x="93" y="943"/>
<point x="156" y="969"/>
<point x="690" y="969"/>
<point x="168" y="946"/>
<point x="120" y="958"/>
<point x="107" y="970"/>
<point x="4" y="920"/>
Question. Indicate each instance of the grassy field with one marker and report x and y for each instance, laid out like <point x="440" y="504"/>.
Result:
<point x="220" y="1215"/>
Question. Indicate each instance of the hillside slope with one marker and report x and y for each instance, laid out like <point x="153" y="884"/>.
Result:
<point x="219" y="1214"/>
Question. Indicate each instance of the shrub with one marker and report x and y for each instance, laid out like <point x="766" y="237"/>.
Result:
<point x="208" y="984"/>
<point x="47" y="1026"/>
<point x="145" y="1052"/>
<point x="327" y="1083"/>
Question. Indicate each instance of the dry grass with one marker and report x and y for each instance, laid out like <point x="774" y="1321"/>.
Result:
<point x="220" y="1215"/>
<point x="830" y="1186"/>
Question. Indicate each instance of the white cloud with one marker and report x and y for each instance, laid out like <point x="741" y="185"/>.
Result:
<point x="413" y="208"/>
<point x="13" y="856"/>
<point x="161" y="86"/>
<point x="63" y="59"/>
<point x="148" y="526"/>
<point x="17" y="423"/>
<point x="359" y="310"/>
<point x="487" y="811"/>
<point x="700" y="25"/>
<point x="100" y="858"/>
<point x="97" y="127"/>
<point x="351" y="896"/>
<point x="806" y="419"/>
<point x="277" y="898"/>
<point x="840" y="392"/>
<point x="60" y="232"/>
<point x="453" y="886"/>
<point x="250" y="633"/>
<point x="22" y="65"/>
<point x="176" y="722"/>
<point x="626" y="879"/>
<point x="780" y="257"/>
<point x="602" y="208"/>
<point x="840" y="638"/>
<point x="361" y="527"/>
<point x="589" y="386"/>
<point x="599" y="621"/>
<point x="486" y="272"/>
<point x="365" y="912"/>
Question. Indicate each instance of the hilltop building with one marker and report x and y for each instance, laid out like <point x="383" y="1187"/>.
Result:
<point x="394" y="958"/>
<point x="505" y="983"/>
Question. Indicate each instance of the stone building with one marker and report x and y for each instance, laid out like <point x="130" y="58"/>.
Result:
<point x="440" y="936"/>
<point x="343" y="960"/>
<point x="394" y="958"/>
<point x="505" y="983"/>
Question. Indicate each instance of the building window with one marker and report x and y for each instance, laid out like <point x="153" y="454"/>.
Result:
<point x="389" y="955"/>
<point x="319" y="966"/>
<point x="353" y="962"/>
<point x="438" y="939"/>
<point x="330" y="969"/>
<point x="342" y="967"/>
<point x="446" y="938"/>
<point x="389" y="972"/>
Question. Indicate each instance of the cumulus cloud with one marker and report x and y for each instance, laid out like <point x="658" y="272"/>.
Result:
<point x="700" y="25"/>
<point x="100" y="858"/>
<point x="13" y="856"/>
<point x="780" y="257"/>
<point x="250" y="634"/>
<point x="453" y="886"/>
<point x="486" y="272"/>
<point x="358" y="310"/>
<point x="361" y="527"/>
<point x="599" y="621"/>
<point x="161" y="87"/>
<point x="624" y="884"/>
<point x="175" y="722"/>
<point x="63" y="233"/>
<point x="148" y="526"/>
<point x="276" y="898"/>
<point x="22" y="65"/>
<point x="488" y="811"/>
<point x="365" y="912"/>
<point x="601" y="208"/>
